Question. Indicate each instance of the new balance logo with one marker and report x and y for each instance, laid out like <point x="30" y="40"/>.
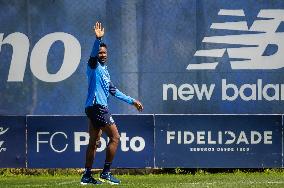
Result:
<point x="2" y="131"/>
<point x="260" y="46"/>
<point x="2" y="149"/>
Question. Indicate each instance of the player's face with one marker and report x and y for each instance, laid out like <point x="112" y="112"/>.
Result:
<point x="102" y="54"/>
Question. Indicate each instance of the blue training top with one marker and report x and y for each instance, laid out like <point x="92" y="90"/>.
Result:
<point x="99" y="83"/>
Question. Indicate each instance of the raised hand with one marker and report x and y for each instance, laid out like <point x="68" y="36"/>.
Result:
<point x="99" y="30"/>
<point x="138" y="105"/>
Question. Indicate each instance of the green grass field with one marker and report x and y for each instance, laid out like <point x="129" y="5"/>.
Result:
<point x="236" y="179"/>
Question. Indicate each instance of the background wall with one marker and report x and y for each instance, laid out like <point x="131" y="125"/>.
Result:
<point x="151" y="43"/>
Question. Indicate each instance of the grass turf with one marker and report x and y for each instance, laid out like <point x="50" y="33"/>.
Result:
<point x="237" y="179"/>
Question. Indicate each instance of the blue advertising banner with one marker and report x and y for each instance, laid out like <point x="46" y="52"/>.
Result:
<point x="225" y="54"/>
<point x="12" y="141"/>
<point x="60" y="141"/>
<point x="220" y="141"/>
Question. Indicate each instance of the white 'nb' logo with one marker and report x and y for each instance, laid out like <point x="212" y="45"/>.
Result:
<point x="253" y="45"/>
<point x="2" y="131"/>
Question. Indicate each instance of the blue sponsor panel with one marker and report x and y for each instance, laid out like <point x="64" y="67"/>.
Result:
<point x="50" y="141"/>
<point x="12" y="141"/>
<point x="220" y="141"/>
<point x="136" y="142"/>
<point x="61" y="142"/>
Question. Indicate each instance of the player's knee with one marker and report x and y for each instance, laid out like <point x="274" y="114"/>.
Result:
<point x="93" y="143"/>
<point x="115" y="138"/>
<point x="98" y="143"/>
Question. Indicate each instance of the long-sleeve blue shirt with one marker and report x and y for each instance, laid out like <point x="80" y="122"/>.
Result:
<point x="99" y="83"/>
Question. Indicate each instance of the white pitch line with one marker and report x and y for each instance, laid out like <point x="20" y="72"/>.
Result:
<point x="67" y="182"/>
<point x="173" y="183"/>
<point x="248" y="183"/>
<point x="48" y="185"/>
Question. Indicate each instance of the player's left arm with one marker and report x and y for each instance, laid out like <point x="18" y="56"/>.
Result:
<point x="118" y="94"/>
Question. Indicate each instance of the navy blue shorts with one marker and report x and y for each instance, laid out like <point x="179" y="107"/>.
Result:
<point x="99" y="115"/>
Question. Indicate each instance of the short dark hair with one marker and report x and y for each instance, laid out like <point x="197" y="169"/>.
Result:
<point x="103" y="45"/>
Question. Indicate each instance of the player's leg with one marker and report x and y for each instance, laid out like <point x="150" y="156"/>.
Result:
<point x="95" y="134"/>
<point x="94" y="141"/>
<point x="112" y="133"/>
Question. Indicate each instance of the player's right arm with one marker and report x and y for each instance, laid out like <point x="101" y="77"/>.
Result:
<point x="99" y="31"/>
